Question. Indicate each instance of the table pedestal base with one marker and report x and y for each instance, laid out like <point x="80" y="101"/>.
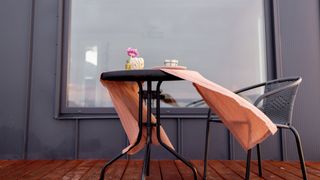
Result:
<point x="149" y="125"/>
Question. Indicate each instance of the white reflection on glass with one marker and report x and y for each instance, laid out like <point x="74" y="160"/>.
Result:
<point x="92" y="56"/>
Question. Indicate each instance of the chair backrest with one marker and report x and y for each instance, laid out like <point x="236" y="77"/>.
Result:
<point x="280" y="97"/>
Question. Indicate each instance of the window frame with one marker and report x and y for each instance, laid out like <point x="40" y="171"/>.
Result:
<point x="64" y="112"/>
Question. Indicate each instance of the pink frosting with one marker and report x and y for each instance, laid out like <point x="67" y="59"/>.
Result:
<point x="132" y="52"/>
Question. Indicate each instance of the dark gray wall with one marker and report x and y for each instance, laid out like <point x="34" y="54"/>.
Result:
<point x="300" y="47"/>
<point x="27" y="71"/>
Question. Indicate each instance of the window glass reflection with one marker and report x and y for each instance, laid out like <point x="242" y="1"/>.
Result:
<point x="222" y="39"/>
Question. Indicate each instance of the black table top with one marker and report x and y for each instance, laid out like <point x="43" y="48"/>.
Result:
<point x="138" y="75"/>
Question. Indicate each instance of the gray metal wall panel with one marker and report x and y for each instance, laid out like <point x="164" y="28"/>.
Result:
<point x="194" y="140"/>
<point x="300" y="46"/>
<point x="100" y="139"/>
<point x="14" y="46"/>
<point x="48" y="138"/>
<point x="270" y="149"/>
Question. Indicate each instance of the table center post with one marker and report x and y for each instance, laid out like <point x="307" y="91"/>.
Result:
<point x="149" y="130"/>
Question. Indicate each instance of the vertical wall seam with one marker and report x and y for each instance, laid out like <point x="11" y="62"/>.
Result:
<point x="278" y="39"/>
<point x="179" y="135"/>
<point x="232" y="152"/>
<point x="279" y="68"/>
<point x="229" y="145"/>
<point x="29" y="82"/>
<point x="270" y="39"/>
<point x="76" y="139"/>
<point x="60" y="32"/>
<point x="181" y="138"/>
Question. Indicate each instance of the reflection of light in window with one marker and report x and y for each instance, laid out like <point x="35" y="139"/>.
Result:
<point x="262" y="62"/>
<point x="262" y="55"/>
<point x="92" y="55"/>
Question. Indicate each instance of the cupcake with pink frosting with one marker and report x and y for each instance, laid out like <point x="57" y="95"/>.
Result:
<point x="134" y="62"/>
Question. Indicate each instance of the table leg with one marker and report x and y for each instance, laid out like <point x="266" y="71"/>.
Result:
<point x="146" y="162"/>
<point x="102" y="172"/>
<point x="158" y="125"/>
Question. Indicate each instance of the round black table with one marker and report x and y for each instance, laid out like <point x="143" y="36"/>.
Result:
<point x="148" y="76"/>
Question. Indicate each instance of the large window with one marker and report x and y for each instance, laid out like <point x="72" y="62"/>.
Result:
<point x="222" y="39"/>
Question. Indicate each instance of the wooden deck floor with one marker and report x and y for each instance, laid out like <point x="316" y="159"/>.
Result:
<point x="164" y="169"/>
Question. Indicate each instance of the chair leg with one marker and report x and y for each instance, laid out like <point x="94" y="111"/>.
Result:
<point x="206" y="150"/>
<point x="248" y="164"/>
<point x="300" y="152"/>
<point x="259" y="160"/>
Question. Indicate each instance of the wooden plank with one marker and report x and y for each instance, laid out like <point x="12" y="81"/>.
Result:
<point x="310" y="170"/>
<point x="277" y="170"/>
<point x="79" y="170"/>
<point x="169" y="170"/>
<point x="7" y="163"/>
<point x="116" y="170"/>
<point x="35" y="165"/>
<point x="44" y="170"/>
<point x="185" y="171"/>
<point x="165" y="169"/>
<point x="155" y="173"/>
<point x="94" y="172"/>
<point x="211" y="173"/>
<point x="265" y="173"/>
<point x="240" y="170"/>
<point x="60" y="171"/>
<point x="13" y="167"/>
<point x="314" y="165"/>
<point x="133" y="170"/>
<point x="223" y="171"/>
<point x="3" y="162"/>
<point x="293" y="170"/>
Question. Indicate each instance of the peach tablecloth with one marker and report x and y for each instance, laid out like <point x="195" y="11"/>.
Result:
<point x="247" y="123"/>
<point x="125" y="98"/>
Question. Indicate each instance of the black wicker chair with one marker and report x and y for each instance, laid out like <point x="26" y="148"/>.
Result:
<point x="277" y="103"/>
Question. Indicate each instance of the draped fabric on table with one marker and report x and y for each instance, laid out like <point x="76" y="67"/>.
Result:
<point x="125" y="98"/>
<point x="247" y="123"/>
